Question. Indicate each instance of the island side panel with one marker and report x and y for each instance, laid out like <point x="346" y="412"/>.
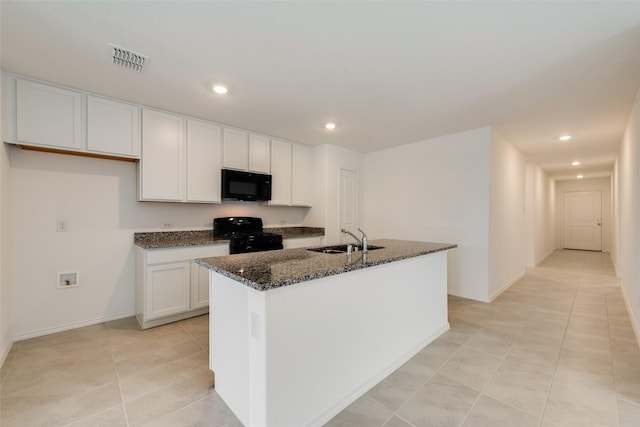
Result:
<point x="229" y="342"/>
<point x="329" y="340"/>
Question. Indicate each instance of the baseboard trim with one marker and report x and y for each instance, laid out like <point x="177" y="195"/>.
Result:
<point x="68" y="326"/>
<point x="5" y="352"/>
<point x="466" y="296"/>
<point x="545" y="256"/>
<point x="507" y="286"/>
<point x="634" y="321"/>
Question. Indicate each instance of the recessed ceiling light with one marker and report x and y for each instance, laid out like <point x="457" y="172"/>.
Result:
<point x="580" y="177"/>
<point x="219" y="89"/>
<point x="330" y="126"/>
<point x="565" y="137"/>
<point x="576" y="163"/>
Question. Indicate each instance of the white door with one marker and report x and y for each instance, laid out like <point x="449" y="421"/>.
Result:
<point x="348" y="204"/>
<point x="582" y="220"/>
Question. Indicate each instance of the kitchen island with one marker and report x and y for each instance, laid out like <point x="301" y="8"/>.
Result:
<point x="297" y="335"/>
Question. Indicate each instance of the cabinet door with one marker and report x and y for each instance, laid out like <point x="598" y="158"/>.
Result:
<point x="113" y="127"/>
<point x="301" y="175"/>
<point x="259" y="154"/>
<point x="48" y="115"/>
<point x="199" y="286"/>
<point x="163" y="159"/>
<point x="167" y="290"/>
<point x="235" y="150"/>
<point x="203" y="162"/>
<point x="281" y="172"/>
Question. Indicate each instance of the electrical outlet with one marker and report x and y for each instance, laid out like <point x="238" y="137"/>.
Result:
<point x="61" y="226"/>
<point x="167" y="224"/>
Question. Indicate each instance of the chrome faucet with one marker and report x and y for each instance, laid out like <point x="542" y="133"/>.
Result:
<point x="362" y="242"/>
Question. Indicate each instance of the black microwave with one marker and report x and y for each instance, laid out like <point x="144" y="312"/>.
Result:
<point x="248" y="186"/>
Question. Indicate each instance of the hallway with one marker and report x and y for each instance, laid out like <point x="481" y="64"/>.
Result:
<point x="556" y="349"/>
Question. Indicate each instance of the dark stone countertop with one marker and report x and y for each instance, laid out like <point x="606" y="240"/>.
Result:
<point x="176" y="239"/>
<point x="272" y="269"/>
<point x="296" y="232"/>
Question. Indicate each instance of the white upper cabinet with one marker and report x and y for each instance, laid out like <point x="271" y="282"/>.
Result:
<point x="280" y="172"/>
<point x="113" y="127"/>
<point x="301" y="175"/>
<point x="179" y="166"/>
<point x="180" y="158"/>
<point x="259" y="153"/>
<point x="236" y="148"/>
<point x="204" y="150"/>
<point x="163" y="157"/>
<point x="246" y="151"/>
<point x="48" y="116"/>
<point x="291" y="174"/>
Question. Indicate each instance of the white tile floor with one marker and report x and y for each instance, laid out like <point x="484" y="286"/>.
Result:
<point x="556" y="349"/>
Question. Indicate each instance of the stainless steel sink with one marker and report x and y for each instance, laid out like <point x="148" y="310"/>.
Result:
<point x="341" y="249"/>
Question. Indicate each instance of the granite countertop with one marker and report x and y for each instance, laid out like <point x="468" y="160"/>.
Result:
<point x="176" y="239"/>
<point x="272" y="269"/>
<point x="296" y="232"/>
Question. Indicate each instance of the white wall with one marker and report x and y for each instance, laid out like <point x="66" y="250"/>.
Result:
<point x="435" y="190"/>
<point x="615" y="216"/>
<point x="599" y="184"/>
<point x="540" y="214"/>
<point x="97" y="199"/>
<point x="506" y="215"/>
<point x="329" y="161"/>
<point x="627" y="199"/>
<point x="5" y="262"/>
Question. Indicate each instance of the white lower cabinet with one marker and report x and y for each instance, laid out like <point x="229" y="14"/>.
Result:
<point x="170" y="286"/>
<point x="167" y="290"/>
<point x="199" y="286"/>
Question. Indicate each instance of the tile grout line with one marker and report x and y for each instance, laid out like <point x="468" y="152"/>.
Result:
<point x="426" y="381"/>
<point x="613" y="373"/>
<point x="555" y="371"/>
<point x="176" y="410"/>
<point x="192" y="337"/>
<point x="124" y="407"/>
<point x="487" y="385"/>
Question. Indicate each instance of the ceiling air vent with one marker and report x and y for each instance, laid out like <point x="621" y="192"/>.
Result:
<point x="127" y="58"/>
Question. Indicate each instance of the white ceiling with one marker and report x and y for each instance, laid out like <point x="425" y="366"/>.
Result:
<point x="388" y="73"/>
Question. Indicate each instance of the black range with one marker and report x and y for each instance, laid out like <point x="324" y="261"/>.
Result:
<point x="246" y="234"/>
